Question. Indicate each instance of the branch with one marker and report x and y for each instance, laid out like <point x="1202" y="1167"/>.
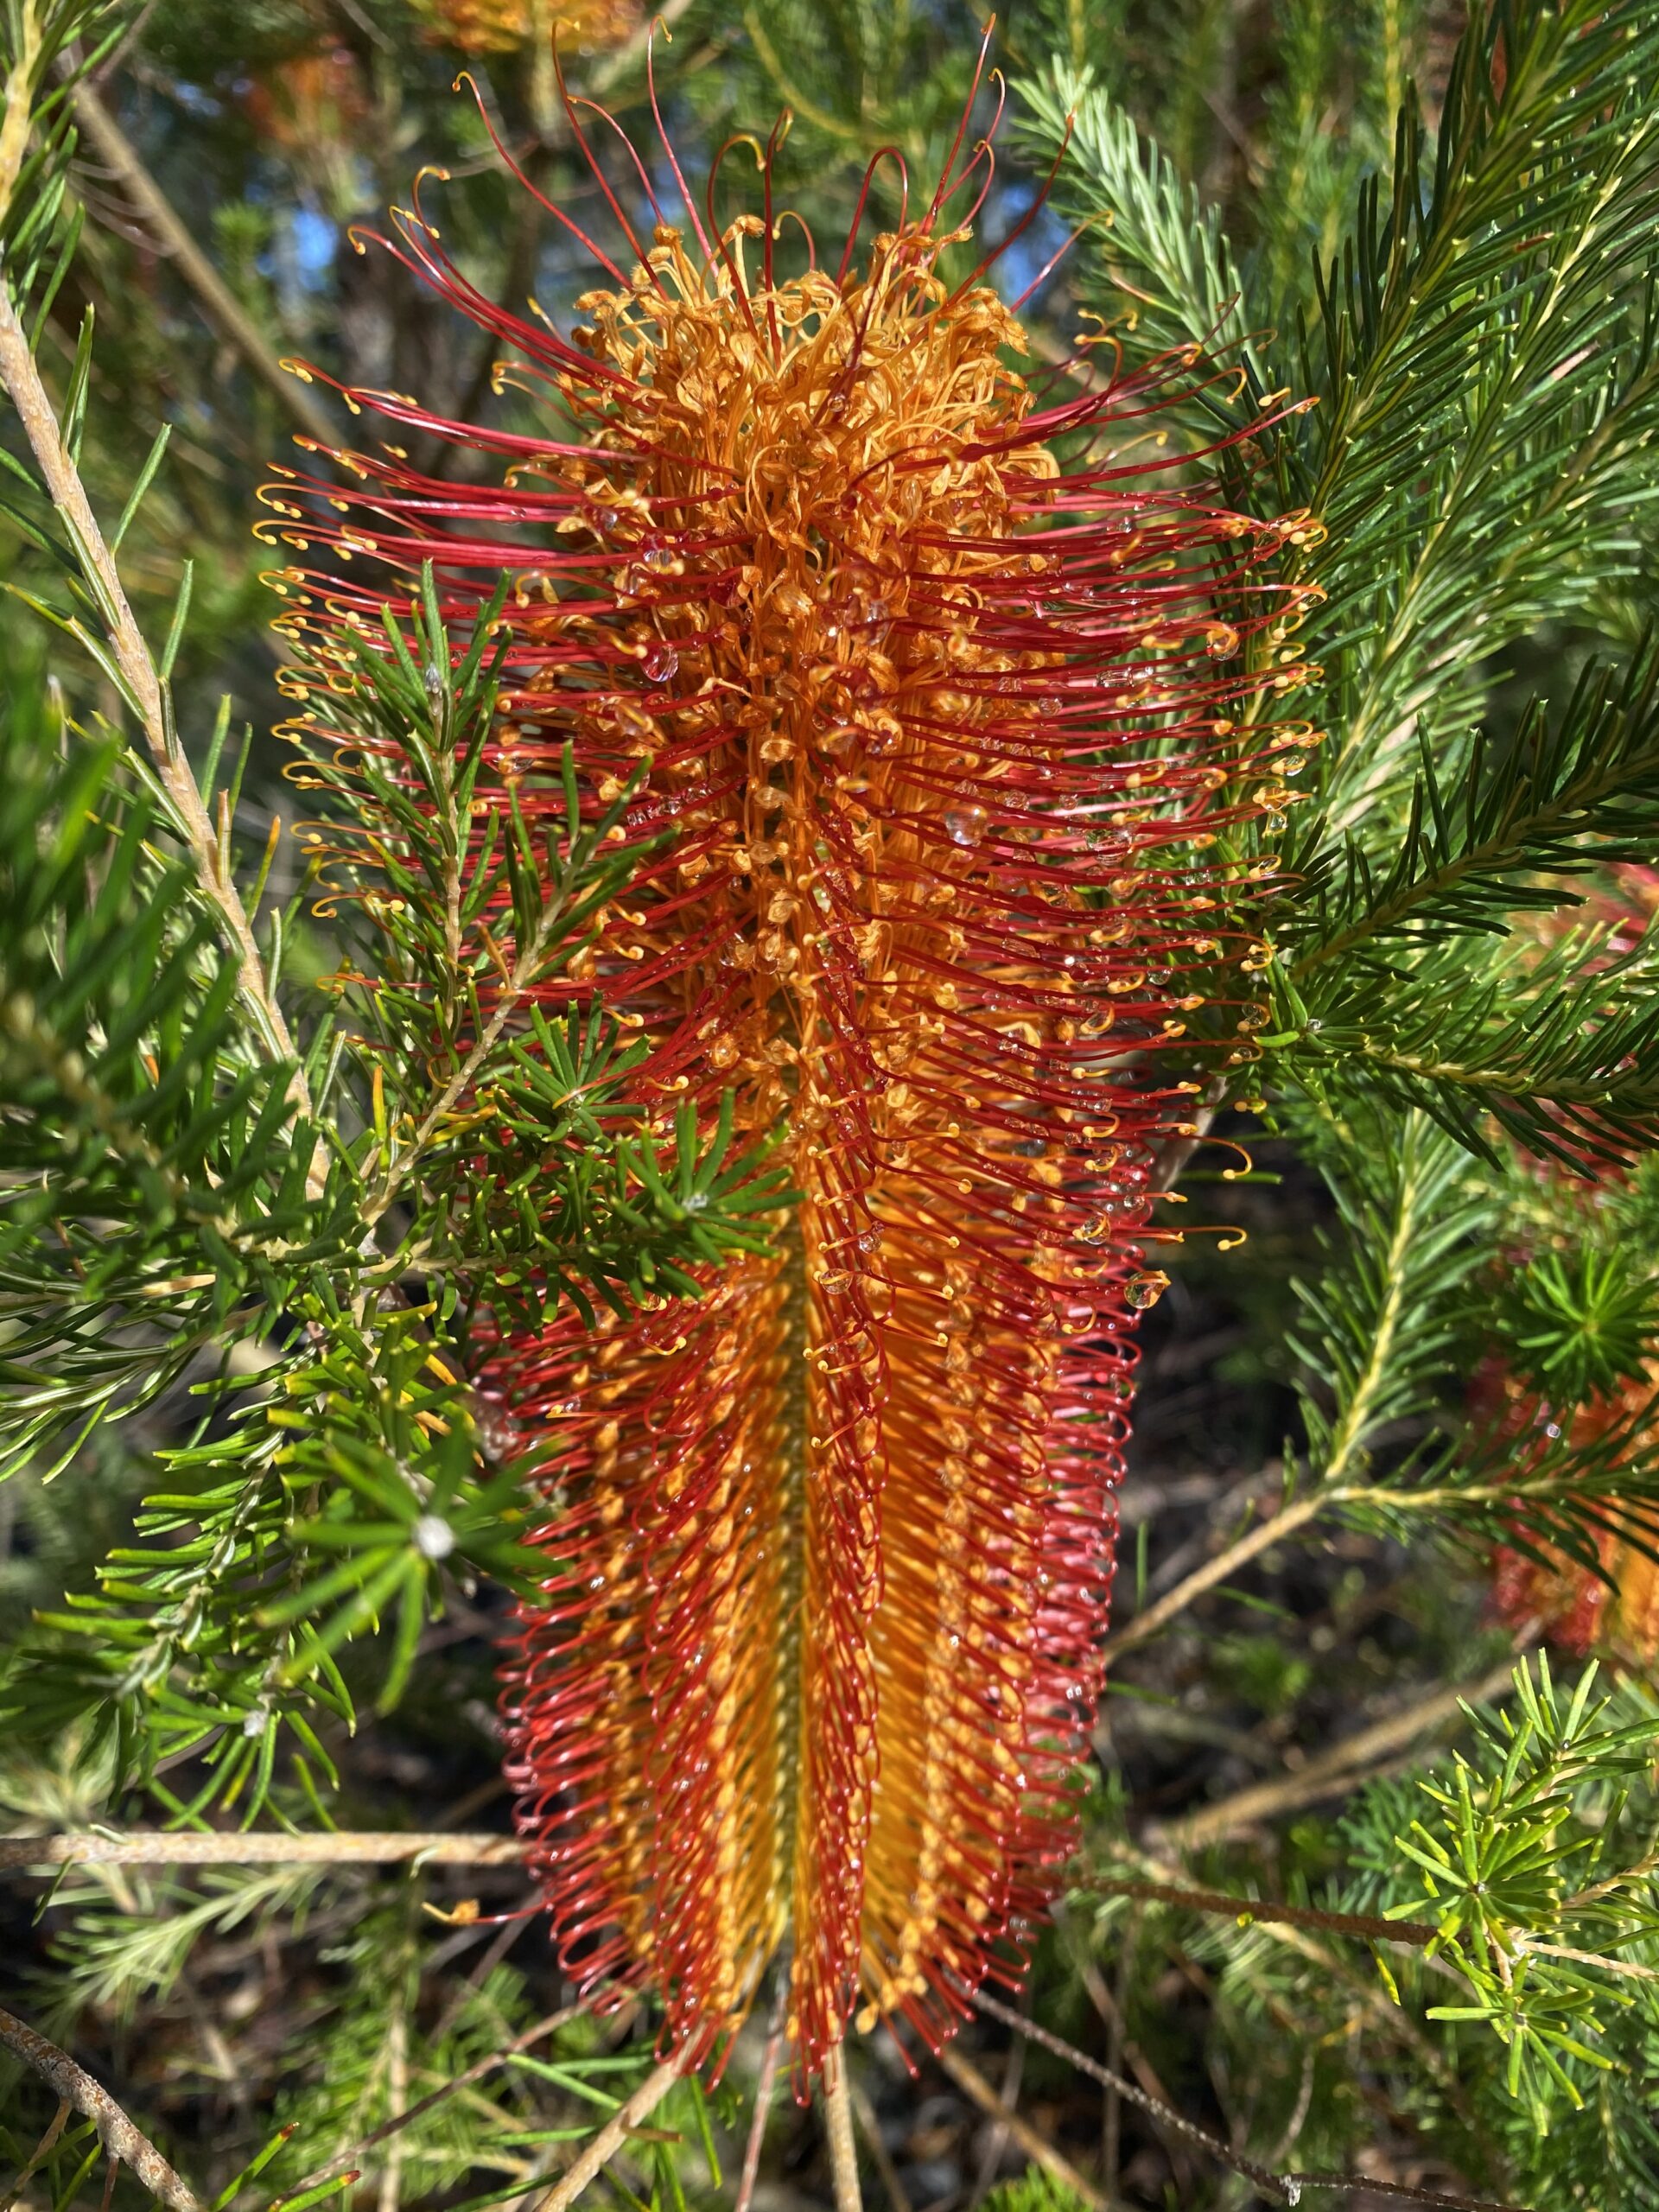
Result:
<point x="184" y="1848"/>
<point x="221" y="304"/>
<point x="1366" y="1927"/>
<point x="1037" y="2148"/>
<point x="838" y="2127"/>
<point x="142" y="684"/>
<point x="751" y="2169"/>
<point x="612" y="2137"/>
<point x="1338" y="1768"/>
<point x="344" y="2163"/>
<point x="1344" y="1452"/>
<point x="115" y="2131"/>
<point x="1284" y="2189"/>
<point x="870" y="2127"/>
<point x="1284" y="1522"/>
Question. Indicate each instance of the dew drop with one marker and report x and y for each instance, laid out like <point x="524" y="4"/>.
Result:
<point x="1096" y="1230"/>
<point x="659" y="559"/>
<point x="659" y="662"/>
<point x="1146" y="1288"/>
<point x="965" y="825"/>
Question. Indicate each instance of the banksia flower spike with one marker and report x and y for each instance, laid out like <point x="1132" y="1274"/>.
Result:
<point x="926" y="668"/>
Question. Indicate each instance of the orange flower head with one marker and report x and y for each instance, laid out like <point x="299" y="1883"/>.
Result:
<point x="314" y="100"/>
<point x="1616" y="1610"/>
<point x="923" y="659"/>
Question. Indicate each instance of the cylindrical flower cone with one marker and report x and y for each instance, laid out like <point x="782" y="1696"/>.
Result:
<point x="929" y="665"/>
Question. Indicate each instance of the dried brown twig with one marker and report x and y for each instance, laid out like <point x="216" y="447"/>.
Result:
<point x="167" y="1848"/>
<point x="115" y="2131"/>
<point x="1366" y="1927"/>
<point x="219" y="302"/>
<point x="1283" y="2189"/>
<point x="343" y="2164"/>
<point x="1340" y="1767"/>
<point x="130" y="661"/>
<point x="968" y="2079"/>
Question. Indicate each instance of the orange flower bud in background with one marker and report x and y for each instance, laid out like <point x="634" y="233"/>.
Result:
<point x="315" y="100"/>
<point x="1616" y="1612"/>
<point x="498" y="26"/>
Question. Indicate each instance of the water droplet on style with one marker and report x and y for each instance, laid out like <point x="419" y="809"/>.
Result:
<point x="1146" y="1288"/>
<point x="965" y="825"/>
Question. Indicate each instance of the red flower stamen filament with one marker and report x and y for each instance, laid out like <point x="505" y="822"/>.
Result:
<point x="933" y="727"/>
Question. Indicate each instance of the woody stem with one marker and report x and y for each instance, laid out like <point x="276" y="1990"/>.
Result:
<point x="838" y="2127"/>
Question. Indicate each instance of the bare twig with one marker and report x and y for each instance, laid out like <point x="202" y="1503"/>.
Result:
<point x="219" y="303"/>
<point x="39" y="2155"/>
<point x="612" y="2137"/>
<point x="763" y="2100"/>
<point x="1008" y="2097"/>
<point x="1225" y="1563"/>
<point x="131" y="657"/>
<point x="167" y="1848"/>
<point x="1367" y="1927"/>
<point x="1041" y="2152"/>
<point x="1120" y="2050"/>
<point x="869" y="2126"/>
<point x="1285" y="2188"/>
<point x="115" y="2131"/>
<point x="1334" y="1769"/>
<point x="398" y="2121"/>
<point x="1630" y="1968"/>
<point x="838" y="2129"/>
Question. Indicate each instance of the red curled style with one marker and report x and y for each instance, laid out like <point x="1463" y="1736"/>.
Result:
<point x="929" y="672"/>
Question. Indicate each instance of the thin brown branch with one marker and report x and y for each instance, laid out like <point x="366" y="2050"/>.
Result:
<point x="1630" y="1968"/>
<point x="612" y="2137"/>
<point x="143" y="684"/>
<point x="1041" y="2152"/>
<point x="838" y="2130"/>
<point x="1336" y="1768"/>
<point x="869" y="2126"/>
<point x="165" y="1848"/>
<point x="348" y="2160"/>
<point x="1366" y="1927"/>
<point x="115" y="2131"/>
<point x="1225" y="1563"/>
<point x="763" y="2089"/>
<point x="1284" y="2189"/>
<point x="222" y="308"/>
<point x="1007" y="2096"/>
<point x="40" y="2154"/>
